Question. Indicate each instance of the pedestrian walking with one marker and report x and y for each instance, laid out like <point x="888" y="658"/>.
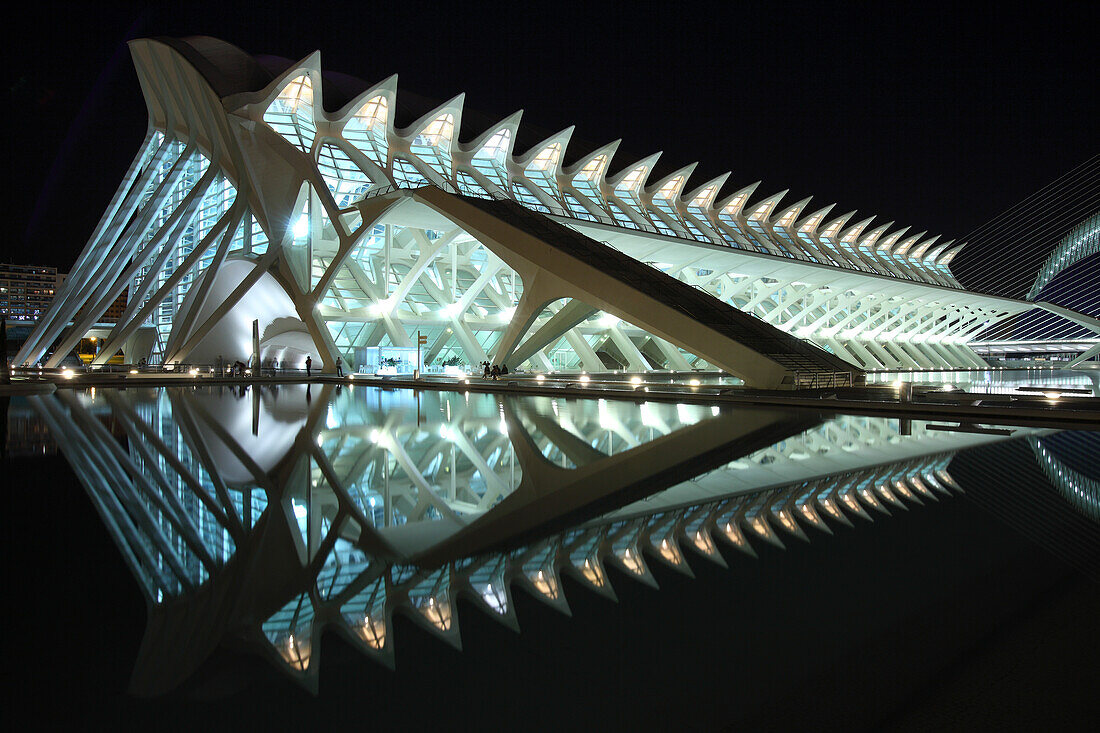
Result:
<point x="309" y="365"/>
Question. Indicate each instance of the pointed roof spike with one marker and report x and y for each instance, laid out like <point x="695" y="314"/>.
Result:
<point x="936" y="251"/>
<point x="787" y="216"/>
<point x="686" y="172"/>
<point x="946" y="257"/>
<point x="903" y="246"/>
<point x="852" y="233"/>
<point x="387" y="88"/>
<point x="920" y="249"/>
<point x="609" y="150"/>
<point x="811" y="222"/>
<point x="647" y="162"/>
<point x="761" y="209"/>
<point x="834" y="225"/>
<point x="735" y="202"/>
<point x="889" y="240"/>
<point x="453" y="105"/>
<point x="717" y="182"/>
<point x="562" y="137"/>
<point x="511" y="122"/>
<point x="256" y="103"/>
<point x="875" y="233"/>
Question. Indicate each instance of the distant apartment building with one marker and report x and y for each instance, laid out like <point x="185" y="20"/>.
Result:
<point x="26" y="291"/>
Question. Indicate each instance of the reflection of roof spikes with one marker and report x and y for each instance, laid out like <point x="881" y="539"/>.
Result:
<point x="741" y="196"/>
<point x="609" y="150"/>
<point x="561" y="136"/>
<point x="716" y="182"/>
<point x="452" y="105"/>
<point x="686" y="172"/>
<point x="511" y="122"/>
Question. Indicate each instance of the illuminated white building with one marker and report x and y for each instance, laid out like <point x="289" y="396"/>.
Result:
<point x="261" y="195"/>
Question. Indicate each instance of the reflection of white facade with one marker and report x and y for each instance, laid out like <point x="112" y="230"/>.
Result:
<point x="321" y="497"/>
<point x="240" y="166"/>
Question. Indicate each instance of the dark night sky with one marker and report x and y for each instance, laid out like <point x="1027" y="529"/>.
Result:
<point x="927" y="115"/>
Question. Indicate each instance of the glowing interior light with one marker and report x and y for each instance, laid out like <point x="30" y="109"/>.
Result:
<point x="67" y="373"/>
<point x="301" y="227"/>
<point x="583" y="379"/>
<point x="1052" y="395"/>
<point x="539" y="378"/>
<point x="635" y="380"/>
<point x="694" y="382"/>
<point x="133" y="371"/>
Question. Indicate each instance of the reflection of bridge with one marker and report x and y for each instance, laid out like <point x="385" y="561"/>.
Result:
<point x="346" y="508"/>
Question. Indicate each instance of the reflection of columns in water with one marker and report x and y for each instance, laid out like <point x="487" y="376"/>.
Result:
<point x="742" y="476"/>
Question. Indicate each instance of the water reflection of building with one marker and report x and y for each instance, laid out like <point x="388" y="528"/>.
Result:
<point x="343" y="507"/>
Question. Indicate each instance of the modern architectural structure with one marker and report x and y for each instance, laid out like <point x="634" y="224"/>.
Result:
<point x="340" y="221"/>
<point x="266" y="516"/>
<point x="26" y="291"/>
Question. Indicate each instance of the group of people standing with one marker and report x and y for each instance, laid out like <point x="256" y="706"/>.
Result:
<point x="493" y="371"/>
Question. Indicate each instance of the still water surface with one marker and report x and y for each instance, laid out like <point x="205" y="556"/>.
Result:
<point x="263" y="516"/>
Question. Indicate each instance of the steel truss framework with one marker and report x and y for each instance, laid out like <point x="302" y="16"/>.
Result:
<point x="323" y="520"/>
<point x="271" y="178"/>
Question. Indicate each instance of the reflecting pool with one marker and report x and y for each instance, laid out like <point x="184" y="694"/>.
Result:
<point x="268" y="514"/>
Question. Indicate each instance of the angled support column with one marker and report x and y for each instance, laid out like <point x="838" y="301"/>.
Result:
<point x="570" y="315"/>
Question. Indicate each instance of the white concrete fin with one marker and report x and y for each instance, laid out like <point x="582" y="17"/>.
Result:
<point x="561" y="138"/>
<point x="387" y="88"/>
<point x="935" y="252"/>
<point x="684" y="173"/>
<point x="735" y="202"/>
<point x="692" y="198"/>
<point x="872" y="237"/>
<point x="920" y="249"/>
<point x="852" y="233"/>
<point x="648" y="162"/>
<point x="810" y="224"/>
<point x="889" y="240"/>
<point x="787" y="216"/>
<point x="452" y="106"/>
<point x="571" y="170"/>
<point x="833" y="227"/>
<point x="903" y="246"/>
<point x="510" y="123"/>
<point x="761" y="209"/>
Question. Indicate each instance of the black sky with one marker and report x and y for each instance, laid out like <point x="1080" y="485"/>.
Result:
<point x="925" y="114"/>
